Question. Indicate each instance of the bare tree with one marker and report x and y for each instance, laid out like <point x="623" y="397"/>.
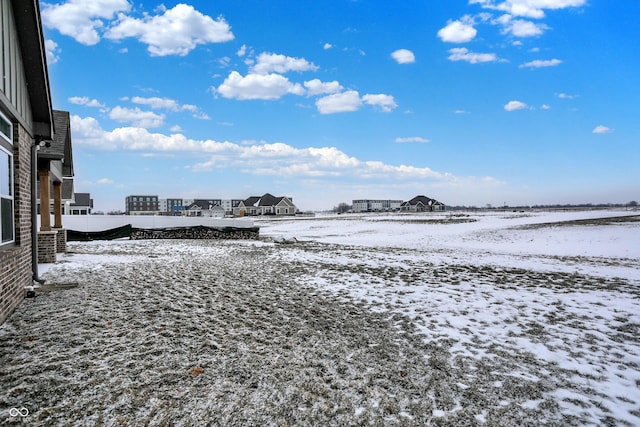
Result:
<point x="342" y="208"/>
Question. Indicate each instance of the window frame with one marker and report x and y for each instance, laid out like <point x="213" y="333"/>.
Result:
<point x="6" y="148"/>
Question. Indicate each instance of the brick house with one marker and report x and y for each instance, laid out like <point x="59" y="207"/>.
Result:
<point x="26" y="119"/>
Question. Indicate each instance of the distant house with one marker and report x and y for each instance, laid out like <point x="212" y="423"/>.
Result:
<point x="206" y="208"/>
<point x="82" y="204"/>
<point x="422" y="204"/>
<point x="265" y="205"/>
<point x="217" y="211"/>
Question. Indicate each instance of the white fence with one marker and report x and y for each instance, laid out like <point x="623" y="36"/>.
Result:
<point x="107" y="222"/>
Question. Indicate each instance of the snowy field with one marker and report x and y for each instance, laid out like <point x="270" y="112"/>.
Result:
<point x="500" y="319"/>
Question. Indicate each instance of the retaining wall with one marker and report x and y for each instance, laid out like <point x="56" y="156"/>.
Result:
<point x="197" y="232"/>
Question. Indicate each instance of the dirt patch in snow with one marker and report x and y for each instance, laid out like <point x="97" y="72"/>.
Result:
<point x="217" y="333"/>
<point x="585" y="222"/>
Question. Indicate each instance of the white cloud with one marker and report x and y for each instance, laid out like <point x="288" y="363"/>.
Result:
<point x="339" y="102"/>
<point x="522" y="28"/>
<point x="385" y="102"/>
<point x="52" y="51"/>
<point x="412" y="139"/>
<point x="463" y="54"/>
<point x="272" y="62"/>
<point x="257" y="86"/>
<point x="538" y="63"/>
<point x="81" y="19"/>
<point x="242" y="51"/>
<point x="327" y="46"/>
<point x="403" y="56"/>
<point x="602" y="130"/>
<point x="528" y="8"/>
<point x="158" y="103"/>
<point x="257" y="158"/>
<point x="565" y="96"/>
<point x="545" y="107"/>
<point x="515" y="105"/>
<point x="379" y="169"/>
<point x="317" y="87"/>
<point x="137" y="117"/>
<point x="176" y="32"/>
<point x="350" y="101"/>
<point x="105" y="181"/>
<point x="84" y="100"/>
<point x="87" y="131"/>
<point x="459" y="31"/>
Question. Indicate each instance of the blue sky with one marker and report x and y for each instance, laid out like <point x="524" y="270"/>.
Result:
<point x="471" y="102"/>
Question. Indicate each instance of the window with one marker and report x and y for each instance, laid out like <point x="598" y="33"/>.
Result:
<point x="6" y="181"/>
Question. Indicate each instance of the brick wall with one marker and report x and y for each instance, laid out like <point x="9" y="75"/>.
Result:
<point x="61" y="240"/>
<point x="47" y="247"/>
<point x="15" y="260"/>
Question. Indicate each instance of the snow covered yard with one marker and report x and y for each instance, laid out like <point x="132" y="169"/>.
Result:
<point x="449" y="319"/>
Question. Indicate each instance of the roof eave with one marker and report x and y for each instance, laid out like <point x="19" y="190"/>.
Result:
<point x="31" y="39"/>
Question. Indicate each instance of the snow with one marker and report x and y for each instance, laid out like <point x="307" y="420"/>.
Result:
<point x="503" y="318"/>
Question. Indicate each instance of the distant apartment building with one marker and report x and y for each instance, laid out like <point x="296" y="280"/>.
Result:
<point x="368" y="205"/>
<point x="170" y="206"/>
<point x="230" y="204"/>
<point x="196" y="207"/>
<point x="142" y="205"/>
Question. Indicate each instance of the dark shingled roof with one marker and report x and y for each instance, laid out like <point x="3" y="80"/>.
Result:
<point x="269" y="200"/>
<point x="426" y="201"/>
<point x="83" y="199"/>
<point x="265" y="200"/>
<point x="421" y="199"/>
<point x="60" y="148"/>
<point x="251" y="201"/>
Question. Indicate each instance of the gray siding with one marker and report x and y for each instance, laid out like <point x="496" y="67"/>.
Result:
<point x="13" y="86"/>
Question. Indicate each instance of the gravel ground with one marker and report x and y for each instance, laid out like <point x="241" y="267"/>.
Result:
<point x="226" y="333"/>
